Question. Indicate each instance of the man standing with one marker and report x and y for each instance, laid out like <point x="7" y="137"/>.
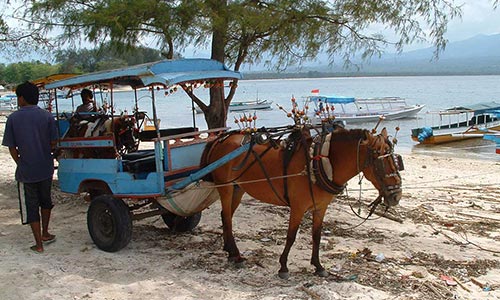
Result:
<point x="30" y="133"/>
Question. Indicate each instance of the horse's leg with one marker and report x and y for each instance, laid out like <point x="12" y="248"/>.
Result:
<point x="318" y="216"/>
<point x="227" y="199"/>
<point x="237" y="195"/>
<point x="293" y="227"/>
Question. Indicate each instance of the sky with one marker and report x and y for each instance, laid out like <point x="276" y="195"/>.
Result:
<point x="478" y="18"/>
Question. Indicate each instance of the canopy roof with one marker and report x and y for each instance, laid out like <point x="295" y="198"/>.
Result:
<point x="332" y="99"/>
<point x="481" y="107"/>
<point x="41" y="82"/>
<point x="165" y="73"/>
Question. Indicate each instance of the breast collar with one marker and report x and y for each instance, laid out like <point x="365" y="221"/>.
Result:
<point x="322" y="171"/>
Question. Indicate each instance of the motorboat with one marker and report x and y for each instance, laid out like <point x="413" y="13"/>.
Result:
<point x="460" y="123"/>
<point x="236" y="106"/>
<point x="8" y="103"/>
<point x="362" y="110"/>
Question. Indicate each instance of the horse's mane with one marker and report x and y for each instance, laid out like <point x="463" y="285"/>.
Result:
<point x="342" y="134"/>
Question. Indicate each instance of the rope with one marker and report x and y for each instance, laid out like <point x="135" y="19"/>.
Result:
<point x="253" y="181"/>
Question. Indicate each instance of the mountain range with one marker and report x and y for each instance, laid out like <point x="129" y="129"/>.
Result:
<point x="479" y="55"/>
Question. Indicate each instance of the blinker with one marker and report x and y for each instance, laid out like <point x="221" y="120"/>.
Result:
<point x="399" y="162"/>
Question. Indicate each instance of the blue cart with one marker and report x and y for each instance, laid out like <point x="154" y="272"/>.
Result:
<point x="122" y="182"/>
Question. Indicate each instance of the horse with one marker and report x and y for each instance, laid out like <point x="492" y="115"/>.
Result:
<point x="123" y="128"/>
<point x="302" y="172"/>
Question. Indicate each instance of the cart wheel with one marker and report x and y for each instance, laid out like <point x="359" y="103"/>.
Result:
<point x="181" y="224"/>
<point x="109" y="223"/>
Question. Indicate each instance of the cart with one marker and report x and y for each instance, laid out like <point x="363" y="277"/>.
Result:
<point x="126" y="182"/>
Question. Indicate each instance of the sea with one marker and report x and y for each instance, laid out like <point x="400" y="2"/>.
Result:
<point x="435" y="92"/>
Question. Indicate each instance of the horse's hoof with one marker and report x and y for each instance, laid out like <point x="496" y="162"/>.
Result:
<point x="321" y="273"/>
<point x="284" y="275"/>
<point x="239" y="264"/>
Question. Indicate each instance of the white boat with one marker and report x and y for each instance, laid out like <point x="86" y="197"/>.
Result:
<point x="362" y="110"/>
<point x="8" y="103"/>
<point x="245" y="105"/>
<point x="459" y="123"/>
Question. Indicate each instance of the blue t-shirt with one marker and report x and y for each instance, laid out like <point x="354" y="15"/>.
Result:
<point x="31" y="129"/>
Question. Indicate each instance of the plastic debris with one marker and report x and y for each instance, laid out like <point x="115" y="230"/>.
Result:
<point x="351" y="277"/>
<point x="380" y="257"/>
<point x="449" y="280"/>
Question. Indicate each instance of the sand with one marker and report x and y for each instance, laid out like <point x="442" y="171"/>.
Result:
<point x="450" y="215"/>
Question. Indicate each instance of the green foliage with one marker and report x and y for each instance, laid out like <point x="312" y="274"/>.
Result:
<point x="78" y="61"/>
<point x="107" y="56"/>
<point x="16" y="73"/>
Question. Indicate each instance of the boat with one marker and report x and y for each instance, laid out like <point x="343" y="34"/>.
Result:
<point x="362" y="110"/>
<point x="460" y="123"/>
<point x="495" y="138"/>
<point x="236" y="106"/>
<point x="8" y="104"/>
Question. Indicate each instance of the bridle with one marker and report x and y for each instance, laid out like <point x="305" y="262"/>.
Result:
<point x="380" y="158"/>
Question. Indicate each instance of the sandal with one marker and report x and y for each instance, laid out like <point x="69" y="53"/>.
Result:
<point x="49" y="240"/>
<point x="35" y="249"/>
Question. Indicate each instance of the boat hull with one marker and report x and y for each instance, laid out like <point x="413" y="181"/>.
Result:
<point x="407" y="112"/>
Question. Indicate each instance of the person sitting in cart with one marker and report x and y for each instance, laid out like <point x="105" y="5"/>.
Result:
<point x="88" y="103"/>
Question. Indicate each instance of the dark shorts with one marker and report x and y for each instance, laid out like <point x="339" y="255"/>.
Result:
<point x="32" y="197"/>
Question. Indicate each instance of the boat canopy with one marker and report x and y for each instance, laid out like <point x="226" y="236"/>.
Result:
<point x="42" y="82"/>
<point x="165" y="73"/>
<point x="332" y="99"/>
<point x="481" y="107"/>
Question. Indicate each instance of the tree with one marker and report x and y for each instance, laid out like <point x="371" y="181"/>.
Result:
<point x="247" y="31"/>
<point x="106" y="56"/>
<point x="15" y="41"/>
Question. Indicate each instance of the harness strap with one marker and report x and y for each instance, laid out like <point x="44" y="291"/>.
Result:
<point x="258" y="158"/>
<point x="287" y="157"/>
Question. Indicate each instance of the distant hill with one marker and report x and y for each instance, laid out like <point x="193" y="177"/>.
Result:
<point x="478" y="55"/>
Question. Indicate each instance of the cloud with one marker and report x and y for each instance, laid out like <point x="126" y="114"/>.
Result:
<point x="479" y="17"/>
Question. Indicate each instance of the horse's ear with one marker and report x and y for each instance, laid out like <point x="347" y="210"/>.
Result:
<point x="367" y="136"/>
<point x="384" y="133"/>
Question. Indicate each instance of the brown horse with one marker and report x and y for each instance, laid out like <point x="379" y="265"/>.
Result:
<point x="302" y="173"/>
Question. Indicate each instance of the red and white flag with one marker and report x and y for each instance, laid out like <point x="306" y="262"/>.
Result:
<point x="315" y="92"/>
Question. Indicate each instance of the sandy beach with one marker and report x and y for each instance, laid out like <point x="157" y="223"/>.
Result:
<point x="441" y="242"/>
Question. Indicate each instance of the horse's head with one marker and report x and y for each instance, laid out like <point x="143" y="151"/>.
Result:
<point x="382" y="167"/>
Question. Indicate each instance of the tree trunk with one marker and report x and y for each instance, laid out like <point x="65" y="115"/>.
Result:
<point x="216" y="115"/>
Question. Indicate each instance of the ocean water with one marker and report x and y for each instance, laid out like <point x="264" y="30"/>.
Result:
<point x="435" y="92"/>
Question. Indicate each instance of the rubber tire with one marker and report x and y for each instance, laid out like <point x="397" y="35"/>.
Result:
<point x="181" y="224"/>
<point x="109" y="223"/>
